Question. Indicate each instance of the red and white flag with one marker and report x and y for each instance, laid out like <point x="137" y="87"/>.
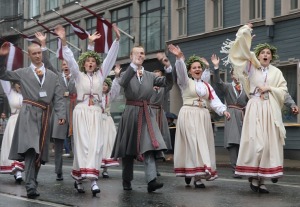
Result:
<point x="103" y="44"/>
<point x="29" y="39"/>
<point x="104" y="27"/>
<point x="59" y="43"/>
<point x="15" y="58"/>
<point x="81" y="33"/>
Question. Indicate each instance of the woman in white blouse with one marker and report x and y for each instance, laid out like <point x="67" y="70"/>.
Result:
<point x="89" y="75"/>
<point x="194" y="154"/>
<point x="15" y="98"/>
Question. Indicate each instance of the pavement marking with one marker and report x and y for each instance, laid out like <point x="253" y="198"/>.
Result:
<point x="33" y="201"/>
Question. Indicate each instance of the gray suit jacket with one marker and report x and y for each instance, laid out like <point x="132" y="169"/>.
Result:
<point x="28" y="126"/>
<point x="233" y="127"/>
<point x="61" y="131"/>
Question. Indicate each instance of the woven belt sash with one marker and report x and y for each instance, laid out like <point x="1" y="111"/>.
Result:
<point x="144" y="110"/>
<point x="45" y="117"/>
<point x="238" y="107"/>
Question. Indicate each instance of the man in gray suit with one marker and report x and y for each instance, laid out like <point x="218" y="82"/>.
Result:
<point x="39" y="87"/>
<point x="61" y="132"/>
<point x="138" y="133"/>
<point x="236" y="100"/>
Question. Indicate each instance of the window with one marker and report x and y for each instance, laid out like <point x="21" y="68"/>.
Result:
<point x="254" y="9"/>
<point x="152" y="35"/>
<point x="295" y="4"/>
<point x="123" y="18"/>
<point x="91" y="24"/>
<point x="51" y="4"/>
<point x="218" y="13"/>
<point x="290" y="74"/>
<point x="73" y="39"/>
<point x="69" y="1"/>
<point x="181" y="17"/>
<point x="34" y="8"/>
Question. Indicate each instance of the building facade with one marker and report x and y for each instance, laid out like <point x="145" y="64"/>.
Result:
<point x="11" y="15"/>
<point x="202" y="26"/>
<point x="197" y="26"/>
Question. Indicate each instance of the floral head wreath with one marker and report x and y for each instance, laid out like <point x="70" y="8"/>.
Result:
<point x="263" y="46"/>
<point x="193" y="59"/>
<point x="82" y="58"/>
<point x="108" y="81"/>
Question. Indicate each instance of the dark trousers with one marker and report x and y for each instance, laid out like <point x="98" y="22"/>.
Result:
<point x="149" y="164"/>
<point x="58" y="147"/>
<point x="233" y="154"/>
<point x="31" y="171"/>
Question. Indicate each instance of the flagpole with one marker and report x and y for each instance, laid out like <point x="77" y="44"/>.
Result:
<point x="24" y="51"/>
<point x="128" y="35"/>
<point x="22" y="33"/>
<point x="122" y="31"/>
<point x="69" y="43"/>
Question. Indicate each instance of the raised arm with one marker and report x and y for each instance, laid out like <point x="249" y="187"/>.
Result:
<point x="206" y="73"/>
<point x="92" y="38"/>
<point x="115" y="88"/>
<point x="217" y="80"/>
<point x="4" y="74"/>
<point x="239" y="53"/>
<point x="67" y="53"/>
<point x="42" y="39"/>
<point x="168" y="70"/>
<point x="112" y="54"/>
<point x="181" y="71"/>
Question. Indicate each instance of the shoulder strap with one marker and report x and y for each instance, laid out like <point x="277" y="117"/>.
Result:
<point x="210" y="96"/>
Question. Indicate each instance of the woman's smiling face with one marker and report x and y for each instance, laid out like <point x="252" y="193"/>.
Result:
<point x="196" y="70"/>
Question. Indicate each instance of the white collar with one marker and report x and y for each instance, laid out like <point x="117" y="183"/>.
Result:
<point x="33" y="67"/>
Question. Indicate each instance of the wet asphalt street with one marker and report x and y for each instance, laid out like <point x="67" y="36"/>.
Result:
<point x="224" y="192"/>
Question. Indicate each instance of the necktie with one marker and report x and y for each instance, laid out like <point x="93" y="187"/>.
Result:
<point x="68" y="78"/>
<point x="139" y="74"/>
<point x="238" y="88"/>
<point x="39" y="73"/>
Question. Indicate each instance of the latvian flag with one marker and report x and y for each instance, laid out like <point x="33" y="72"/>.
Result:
<point x="15" y="58"/>
<point x="59" y="43"/>
<point x="103" y="44"/>
<point x="104" y="27"/>
<point x="81" y="33"/>
<point x="29" y="39"/>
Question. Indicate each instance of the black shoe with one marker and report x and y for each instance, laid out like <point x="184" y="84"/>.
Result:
<point x="18" y="179"/>
<point x="262" y="190"/>
<point x="76" y="187"/>
<point x="33" y="195"/>
<point x="253" y="187"/>
<point x="199" y="185"/>
<point x="274" y="180"/>
<point x="127" y="185"/>
<point x="187" y="180"/>
<point x="237" y="176"/>
<point x="95" y="191"/>
<point x="59" y="177"/>
<point x="154" y="185"/>
<point x="105" y="175"/>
